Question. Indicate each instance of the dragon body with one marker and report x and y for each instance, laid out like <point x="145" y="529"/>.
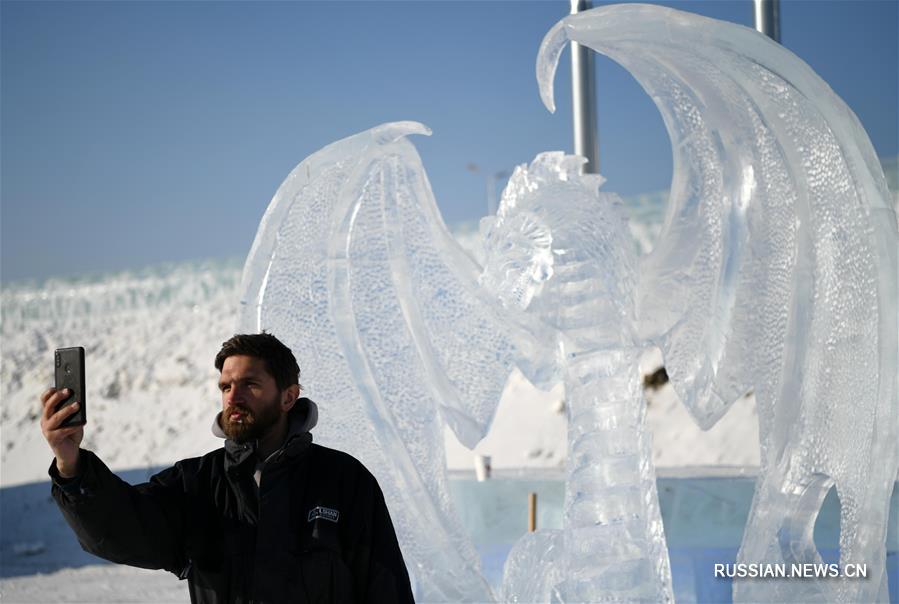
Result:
<point x="561" y="250"/>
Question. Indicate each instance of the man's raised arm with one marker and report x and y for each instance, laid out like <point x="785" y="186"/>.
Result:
<point x="137" y="525"/>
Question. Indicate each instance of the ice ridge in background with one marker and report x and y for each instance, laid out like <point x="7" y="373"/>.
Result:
<point x="150" y="337"/>
<point x="775" y="271"/>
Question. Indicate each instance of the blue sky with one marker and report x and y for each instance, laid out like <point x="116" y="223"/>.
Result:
<point x="134" y="133"/>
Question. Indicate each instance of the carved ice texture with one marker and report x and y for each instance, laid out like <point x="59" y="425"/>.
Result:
<point x="534" y="567"/>
<point x="353" y="268"/>
<point x="775" y="272"/>
<point x="562" y="250"/>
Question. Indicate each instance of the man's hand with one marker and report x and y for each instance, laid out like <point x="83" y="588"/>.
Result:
<point x="63" y="441"/>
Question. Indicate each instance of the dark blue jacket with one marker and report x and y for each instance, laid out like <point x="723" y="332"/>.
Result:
<point x="315" y="529"/>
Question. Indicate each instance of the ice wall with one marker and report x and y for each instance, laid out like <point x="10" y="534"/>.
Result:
<point x="150" y="337"/>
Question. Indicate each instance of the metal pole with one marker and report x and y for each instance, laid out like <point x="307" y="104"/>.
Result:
<point x="532" y="512"/>
<point x="583" y="98"/>
<point x="767" y="18"/>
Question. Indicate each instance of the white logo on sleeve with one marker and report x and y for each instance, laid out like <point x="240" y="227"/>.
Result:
<point x="323" y="512"/>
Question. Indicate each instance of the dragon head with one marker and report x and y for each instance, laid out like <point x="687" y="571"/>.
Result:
<point x="520" y="244"/>
<point x="561" y="249"/>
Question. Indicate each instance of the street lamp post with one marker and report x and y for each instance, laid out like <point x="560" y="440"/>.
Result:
<point x="491" y="179"/>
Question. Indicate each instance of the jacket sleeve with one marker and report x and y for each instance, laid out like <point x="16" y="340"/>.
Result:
<point x="378" y="566"/>
<point x="139" y="525"/>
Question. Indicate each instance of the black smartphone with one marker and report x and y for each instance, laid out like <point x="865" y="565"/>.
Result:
<point x="70" y="374"/>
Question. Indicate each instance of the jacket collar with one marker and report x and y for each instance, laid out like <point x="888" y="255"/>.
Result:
<point x="301" y="419"/>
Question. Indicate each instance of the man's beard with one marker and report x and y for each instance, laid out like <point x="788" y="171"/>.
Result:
<point x="252" y="426"/>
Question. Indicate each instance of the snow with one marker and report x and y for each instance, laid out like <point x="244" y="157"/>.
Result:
<point x="99" y="583"/>
<point x="530" y="432"/>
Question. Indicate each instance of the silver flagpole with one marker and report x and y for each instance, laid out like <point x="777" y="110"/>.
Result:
<point x="583" y="98"/>
<point x="767" y="18"/>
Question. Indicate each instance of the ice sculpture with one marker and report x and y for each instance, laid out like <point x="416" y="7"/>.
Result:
<point x="353" y="268"/>
<point x="775" y="271"/>
<point x="533" y="568"/>
<point x="562" y="251"/>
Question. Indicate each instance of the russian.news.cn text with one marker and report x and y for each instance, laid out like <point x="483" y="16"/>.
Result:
<point x="791" y="571"/>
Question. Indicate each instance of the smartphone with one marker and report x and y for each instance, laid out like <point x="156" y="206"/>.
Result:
<point x="70" y="374"/>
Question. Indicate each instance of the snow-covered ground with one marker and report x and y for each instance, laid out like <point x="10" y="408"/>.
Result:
<point x="98" y="583"/>
<point x="529" y="431"/>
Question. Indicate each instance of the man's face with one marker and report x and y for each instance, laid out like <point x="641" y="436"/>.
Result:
<point x="251" y="400"/>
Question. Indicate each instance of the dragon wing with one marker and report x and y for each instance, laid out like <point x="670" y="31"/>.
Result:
<point x="775" y="271"/>
<point x="354" y="269"/>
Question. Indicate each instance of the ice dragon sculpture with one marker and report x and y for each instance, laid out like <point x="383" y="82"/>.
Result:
<point x="775" y="271"/>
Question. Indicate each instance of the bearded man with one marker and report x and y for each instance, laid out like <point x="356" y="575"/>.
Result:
<point x="270" y="517"/>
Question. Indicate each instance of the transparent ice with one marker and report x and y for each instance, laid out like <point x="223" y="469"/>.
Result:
<point x="353" y="268"/>
<point x="534" y="568"/>
<point x="775" y="272"/>
<point x="562" y="250"/>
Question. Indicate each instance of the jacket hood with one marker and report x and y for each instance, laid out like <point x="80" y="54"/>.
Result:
<point x="302" y="418"/>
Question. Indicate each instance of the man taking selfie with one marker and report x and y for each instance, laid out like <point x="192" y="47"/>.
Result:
<point x="270" y="517"/>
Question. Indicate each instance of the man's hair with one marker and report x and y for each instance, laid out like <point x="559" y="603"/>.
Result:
<point x="278" y="359"/>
